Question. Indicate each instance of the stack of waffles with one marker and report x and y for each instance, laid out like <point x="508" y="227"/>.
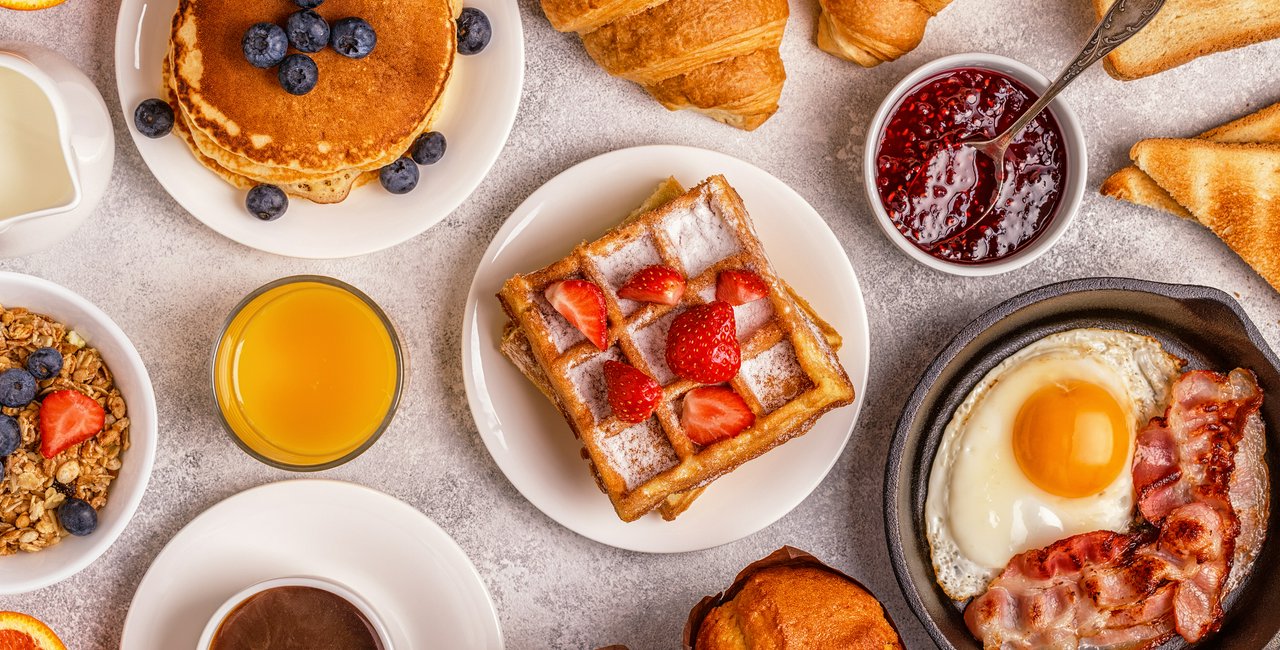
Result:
<point x="789" y="374"/>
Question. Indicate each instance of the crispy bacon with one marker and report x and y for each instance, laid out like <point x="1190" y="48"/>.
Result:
<point x="1135" y="590"/>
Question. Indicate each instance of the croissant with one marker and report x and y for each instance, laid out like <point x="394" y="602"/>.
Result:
<point x="716" y="57"/>
<point x="870" y="32"/>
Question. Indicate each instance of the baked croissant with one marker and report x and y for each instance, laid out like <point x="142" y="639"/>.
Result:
<point x="717" y="57"/>
<point x="870" y="32"/>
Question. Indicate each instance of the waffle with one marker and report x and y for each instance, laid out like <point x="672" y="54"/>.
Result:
<point x="790" y="375"/>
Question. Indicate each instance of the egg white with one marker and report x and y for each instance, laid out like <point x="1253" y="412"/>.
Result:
<point x="981" y="509"/>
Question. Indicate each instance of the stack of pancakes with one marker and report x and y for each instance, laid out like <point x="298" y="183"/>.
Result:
<point x="362" y="114"/>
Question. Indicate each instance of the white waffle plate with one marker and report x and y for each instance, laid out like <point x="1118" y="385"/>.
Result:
<point x="528" y="438"/>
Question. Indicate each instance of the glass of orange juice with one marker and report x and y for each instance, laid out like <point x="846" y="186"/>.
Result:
<point x="307" y="373"/>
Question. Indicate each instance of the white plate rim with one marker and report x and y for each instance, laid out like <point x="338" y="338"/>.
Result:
<point x="478" y="400"/>
<point x="129" y="22"/>
<point x="443" y="537"/>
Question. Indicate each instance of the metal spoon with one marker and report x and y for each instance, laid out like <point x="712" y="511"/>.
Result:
<point x="1124" y="20"/>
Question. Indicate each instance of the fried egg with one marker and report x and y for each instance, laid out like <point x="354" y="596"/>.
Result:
<point x="1042" y="449"/>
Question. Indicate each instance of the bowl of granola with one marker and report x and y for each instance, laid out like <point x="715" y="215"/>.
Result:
<point x="77" y="432"/>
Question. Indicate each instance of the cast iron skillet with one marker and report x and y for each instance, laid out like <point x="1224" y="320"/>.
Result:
<point x="1202" y="325"/>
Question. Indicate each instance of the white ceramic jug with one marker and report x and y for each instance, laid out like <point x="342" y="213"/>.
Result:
<point x="56" y="148"/>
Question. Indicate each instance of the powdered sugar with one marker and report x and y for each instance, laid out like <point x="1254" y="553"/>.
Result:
<point x="652" y="343"/>
<point x="619" y="265"/>
<point x="775" y="375"/>
<point x="701" y="237"/>
<point x="639" y="453"/>
<point x="588" y="379"/>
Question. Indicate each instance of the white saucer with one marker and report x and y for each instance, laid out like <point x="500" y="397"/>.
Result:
<point x="417" y="578"/>
<point x="531" y="442"/>
<point x="477" y="117"/>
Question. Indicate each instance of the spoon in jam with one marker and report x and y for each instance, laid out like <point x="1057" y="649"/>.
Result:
<point x="965" y="178"/>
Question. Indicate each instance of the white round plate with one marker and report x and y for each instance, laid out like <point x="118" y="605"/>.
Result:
<point x="417" y="578"/>
<point x="479" y="111"/>
<point x="529" y="439"/>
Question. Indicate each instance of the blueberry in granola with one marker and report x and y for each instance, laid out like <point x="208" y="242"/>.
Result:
<point x="44" y="363"/>
<point x="78" y="517"/>
<point x="17" y="388"/>
<point x="10" y="435"/>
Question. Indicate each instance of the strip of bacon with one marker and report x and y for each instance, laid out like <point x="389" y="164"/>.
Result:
<point x="1112" y="590"/>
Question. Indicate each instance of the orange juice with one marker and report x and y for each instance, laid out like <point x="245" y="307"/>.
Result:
<point x="307" y="373"/>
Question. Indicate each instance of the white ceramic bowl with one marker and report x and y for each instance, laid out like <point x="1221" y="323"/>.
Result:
<point x="206" y="639"/>
<point x="1072" y="191"/>
<point x="29" y="571"/>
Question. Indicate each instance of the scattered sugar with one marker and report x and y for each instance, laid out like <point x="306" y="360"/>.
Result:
<point x="588" y="379"/>
<point x="639" y="453"/>
<point x="652" y="343"/>
<point x="775" y="375"/>
<point x="701" y="237"/>
<point x="619" y="265"/>
<point x="563" y="333"/>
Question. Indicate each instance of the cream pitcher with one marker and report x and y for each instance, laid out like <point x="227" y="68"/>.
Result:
<point x="56" y="148"/>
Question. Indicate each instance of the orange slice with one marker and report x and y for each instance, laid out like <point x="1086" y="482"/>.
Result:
<point x="28" y="5"/>
<point x="22" y="632"/>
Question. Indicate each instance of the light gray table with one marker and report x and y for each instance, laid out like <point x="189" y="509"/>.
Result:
<point x="169" y="282"/>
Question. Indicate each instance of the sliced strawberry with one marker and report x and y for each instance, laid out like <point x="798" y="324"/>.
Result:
<point x="702" y="344"/>
<point x="632" y="394"/>
<point x="740" y="286"/>
<point x="582" y="304"/>
<point x="68" y="418"/>
<point x="657" y="283"/>
<point x="714" y="413"/>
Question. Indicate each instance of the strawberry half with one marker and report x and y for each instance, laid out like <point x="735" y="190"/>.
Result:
<point x="657" y="283"/>
<point x="702" y="344"/>
<point x="632" y="394"/>
<point x="68" y="418"/>
<point x="740" y="286"/>
<point x="582" y="304"/>
<point x="714" y="413"/>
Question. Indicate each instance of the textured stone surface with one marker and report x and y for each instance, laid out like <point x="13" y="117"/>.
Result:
<point x="169" y="282"/>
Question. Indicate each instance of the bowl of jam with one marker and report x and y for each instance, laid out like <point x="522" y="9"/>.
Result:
<point x="953" y="216"/>
<point x="297" y="613"/>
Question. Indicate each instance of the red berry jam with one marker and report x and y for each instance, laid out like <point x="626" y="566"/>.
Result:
<point x="937" y="193"/>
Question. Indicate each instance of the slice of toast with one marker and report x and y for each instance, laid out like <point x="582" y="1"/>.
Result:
<point x="1187" y="29"/>
<point x="1133" y="185"/>
<point x="1234" y="189"/>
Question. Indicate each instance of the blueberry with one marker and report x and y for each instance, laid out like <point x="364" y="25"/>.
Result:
<point x="400" y="176"/>
<point x="353" y="38"/>
<point x="308" y="4"/>
<point x="154" y="118"/>
<point x="428" y="149"/>
<point x="10" y="435"/>
<point x="308" y="32"/>
<point x="298" y="74"/>
<point x="78" y="517"/>
<point x="17" y="388"/>
<point x="264" y="45"/>
<point x="266" y="202"/>
<point x="474" y="31"/>
<point x="44" y="363"/>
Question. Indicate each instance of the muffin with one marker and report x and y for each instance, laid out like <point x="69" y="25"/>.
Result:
<point x="791" y="600"/>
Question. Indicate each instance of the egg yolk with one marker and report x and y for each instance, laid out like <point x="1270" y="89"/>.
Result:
<point x="1071" y="438"/>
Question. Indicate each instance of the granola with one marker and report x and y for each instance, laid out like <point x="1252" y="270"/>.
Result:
<point x="34" y="486"/>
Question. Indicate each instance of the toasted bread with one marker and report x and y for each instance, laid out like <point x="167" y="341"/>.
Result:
<point x="1187" y="29"/>
<point x="1131" y="184"/>
<point x="1234" y="189"/>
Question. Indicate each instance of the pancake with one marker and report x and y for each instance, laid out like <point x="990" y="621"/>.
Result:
<point x="362" y="114"/>
<point x="318" y="190"/>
